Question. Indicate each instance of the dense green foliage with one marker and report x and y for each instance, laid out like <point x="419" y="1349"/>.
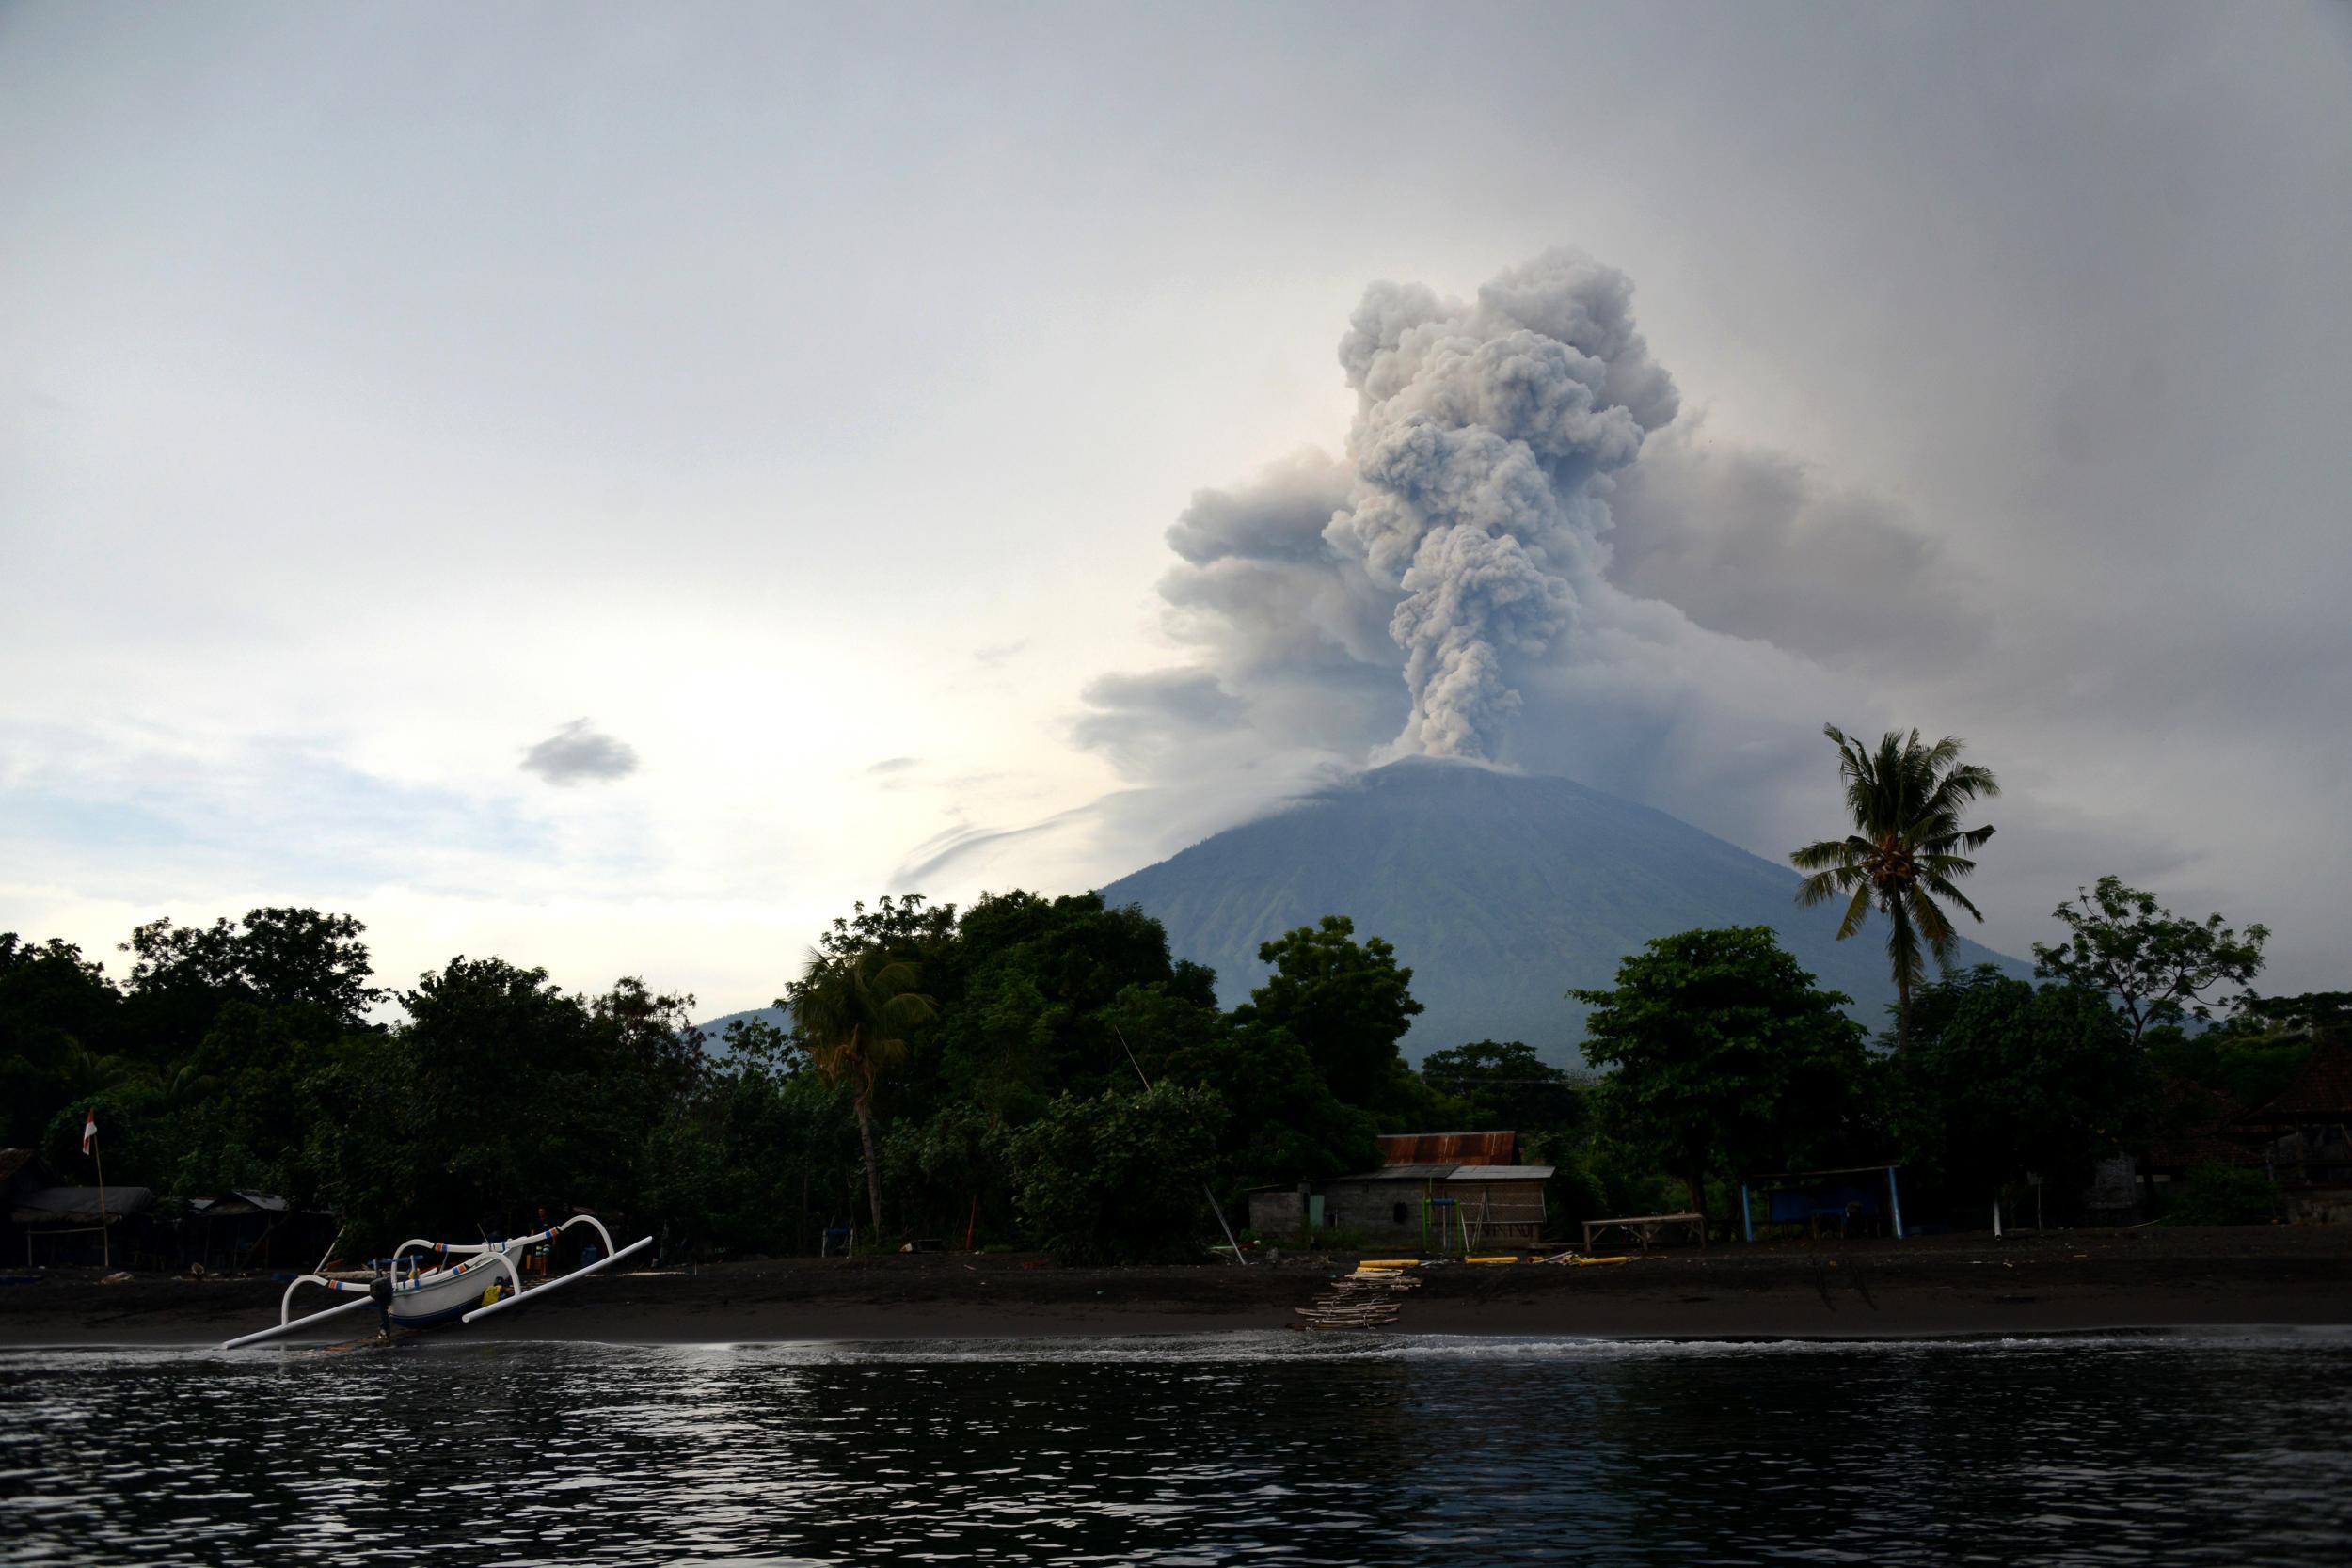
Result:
<point x="1725" y="1056"/>
<point x="2224" y="1195"/>
<point x="1117" y="1179"/>
<point x="2006" y="1078"/>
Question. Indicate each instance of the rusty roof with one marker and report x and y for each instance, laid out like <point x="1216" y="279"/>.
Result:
<point x="2322" y="1090"/>
<point x="1448" y="1149"/>
<point x="1429" y="1171"/>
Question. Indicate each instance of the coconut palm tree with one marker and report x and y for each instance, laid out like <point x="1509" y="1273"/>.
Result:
<point x="1907" y="850"/>
<point x="853" y="1010"/>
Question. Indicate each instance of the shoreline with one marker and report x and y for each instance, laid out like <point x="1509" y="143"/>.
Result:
<point x="2059" y="1282"/>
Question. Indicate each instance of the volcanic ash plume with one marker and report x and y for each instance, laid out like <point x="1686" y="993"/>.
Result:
<point x="1484" y="440"/>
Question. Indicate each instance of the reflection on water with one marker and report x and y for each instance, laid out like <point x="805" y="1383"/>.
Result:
<point x="1212" y="1449"/>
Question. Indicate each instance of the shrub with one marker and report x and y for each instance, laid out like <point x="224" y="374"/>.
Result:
<point x="2224" y="1195"/>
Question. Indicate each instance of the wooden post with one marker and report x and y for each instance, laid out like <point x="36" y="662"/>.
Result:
<point x="105" y="1242"/>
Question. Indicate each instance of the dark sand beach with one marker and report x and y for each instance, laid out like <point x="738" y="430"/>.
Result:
<point x="2062" y="1282"/>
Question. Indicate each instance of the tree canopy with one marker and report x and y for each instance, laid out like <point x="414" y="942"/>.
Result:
<point x="1348" y="1004"/>
<point x="2157" y="966"/>
<point x="1725" y="1055"/>
<point x="2009" y="1078"/>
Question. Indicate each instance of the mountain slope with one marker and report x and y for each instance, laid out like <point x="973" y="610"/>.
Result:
<point x="1501" y="891"/>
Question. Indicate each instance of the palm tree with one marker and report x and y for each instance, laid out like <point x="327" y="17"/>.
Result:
<point x="853" y="1011"/>
<point x="1907" y="850"/>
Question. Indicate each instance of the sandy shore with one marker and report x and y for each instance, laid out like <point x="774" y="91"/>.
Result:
<point x="1967" y="1285"/>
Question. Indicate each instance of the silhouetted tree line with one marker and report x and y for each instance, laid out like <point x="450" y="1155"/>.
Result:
<point x="1028" y="1069"/>
<point x="1037" y="1070"/>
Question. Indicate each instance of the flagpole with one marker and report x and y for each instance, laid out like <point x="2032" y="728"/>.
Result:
<point x="105" y="1242"/>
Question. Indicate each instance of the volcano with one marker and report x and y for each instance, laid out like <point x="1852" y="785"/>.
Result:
<point x="1501" y="891"/>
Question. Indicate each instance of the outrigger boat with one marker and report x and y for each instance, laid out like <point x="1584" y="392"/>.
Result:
<point x="463" y="1291"/>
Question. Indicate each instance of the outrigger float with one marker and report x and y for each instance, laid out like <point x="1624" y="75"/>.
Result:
<point x="460" y="1292"/>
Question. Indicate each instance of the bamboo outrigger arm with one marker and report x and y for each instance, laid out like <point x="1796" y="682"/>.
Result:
<point x="536" y="1291"/>
<point x="424" y="1243"/>
<point x="287" y="1324"/>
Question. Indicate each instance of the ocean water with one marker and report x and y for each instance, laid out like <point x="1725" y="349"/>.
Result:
<point x="1236" y="1448"/>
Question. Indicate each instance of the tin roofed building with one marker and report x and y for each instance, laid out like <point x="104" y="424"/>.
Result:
<point x="1470" y="1200"/>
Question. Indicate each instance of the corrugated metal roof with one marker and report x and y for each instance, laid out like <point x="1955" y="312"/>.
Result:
<point x="1400" y="1173"/>
<point x="13" y="1160"/>
<point x="1457" y="1148"/>
<point x="78" y="1205"/>
<point x="1501" y="1173"/>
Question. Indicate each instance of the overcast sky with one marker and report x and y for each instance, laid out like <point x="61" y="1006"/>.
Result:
<point x="610" y="486"/>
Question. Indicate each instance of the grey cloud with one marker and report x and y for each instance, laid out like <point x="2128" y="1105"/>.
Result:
<point x="579" y="755"/>
<point x="893" y="765"/>
<point x="1279" y="516"/>
<point x="998" y="653"/>
<point x="1262" y="589"/>
<point x="1137" y="717"/>
<point x="1758" y="545"/>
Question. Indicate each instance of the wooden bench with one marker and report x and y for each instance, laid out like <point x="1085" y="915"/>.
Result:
<point x="1643" y="1229"/>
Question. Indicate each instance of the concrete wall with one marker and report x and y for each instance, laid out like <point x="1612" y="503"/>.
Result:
<point x="1389" y="1214"/>
<point x="1277" y="1214"/>
<point x="1371" y="1209"/>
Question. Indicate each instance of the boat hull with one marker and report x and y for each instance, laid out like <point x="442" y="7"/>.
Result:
<point x="445" y="1295"/>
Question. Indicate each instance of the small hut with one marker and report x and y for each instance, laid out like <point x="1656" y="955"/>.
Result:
<point x="1440" y="1207"/>
<point x="83" y="1225"/>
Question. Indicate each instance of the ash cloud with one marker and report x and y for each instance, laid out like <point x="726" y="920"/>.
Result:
<point x="1484" y="438"/>
<point x="1757" y="545"/>
<point x="1521" y="558"/>
<point x="577" y="753"/>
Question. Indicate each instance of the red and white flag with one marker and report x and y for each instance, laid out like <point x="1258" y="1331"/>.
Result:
<point x="89" y="1130"/>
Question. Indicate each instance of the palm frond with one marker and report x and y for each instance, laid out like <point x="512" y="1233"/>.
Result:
<point x="1855" y="912"/>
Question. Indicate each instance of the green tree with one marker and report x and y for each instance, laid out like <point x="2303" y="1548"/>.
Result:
<point x="1031" y="995"/>
<point x="1118" y="1177"/>
<point x="59" y="1016"/>
<point x="1505" y="1085"/>
<point x="181" y="975"/>
<point x="1346" y="1003"/>
<point x="1723" y="1054"/>
<point x="1907" y="850"/>
<point x="2005" y="1077"/>
<point x="853" y="1010"/>
<point x="1285" y="1122"/>
<point x="2154" y="964"/>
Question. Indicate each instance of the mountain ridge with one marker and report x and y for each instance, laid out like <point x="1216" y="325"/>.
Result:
<point x="1501" y="892"/>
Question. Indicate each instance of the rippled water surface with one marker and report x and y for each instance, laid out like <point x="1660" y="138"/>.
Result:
<point x="1212" y="1449"/>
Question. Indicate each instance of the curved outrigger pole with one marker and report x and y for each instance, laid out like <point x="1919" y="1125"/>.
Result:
<point x="428" y="1296"/>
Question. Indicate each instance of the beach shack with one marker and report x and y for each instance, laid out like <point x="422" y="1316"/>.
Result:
<point x="83" y="1225"/>
<point x="242" y="1230"/>
<point x="1471" y="1198"/>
